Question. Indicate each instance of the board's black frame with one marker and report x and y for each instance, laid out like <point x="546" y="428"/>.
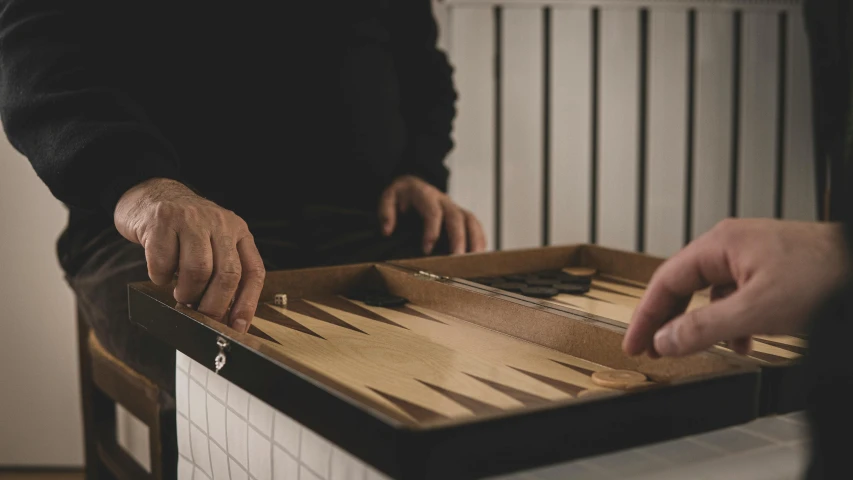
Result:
<point x="494" y="446"/>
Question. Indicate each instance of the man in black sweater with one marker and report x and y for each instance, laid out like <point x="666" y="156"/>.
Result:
<point x="211" y="143"/>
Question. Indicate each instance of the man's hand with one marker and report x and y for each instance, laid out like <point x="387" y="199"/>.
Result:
<point x="463" y="229"/>
<point x="768" y="277"/>
<point x="210" y="249"/>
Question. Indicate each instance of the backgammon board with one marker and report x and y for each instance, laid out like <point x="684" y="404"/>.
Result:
<point x="616" y="283"/>
<point x="453" y="383"/>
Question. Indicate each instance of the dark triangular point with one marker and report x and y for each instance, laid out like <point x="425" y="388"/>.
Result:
<point x="253" y="330"/>
<point x="270" y="314"/>
<point x="305" y="308"/>
<point x="345" y="305"/>
<point x="419" y="413"/>
<point x="769" y="357"/>
<point x="587" y="295"/>
<point x="415" y="313"/>
<point x="476" y="406"/>
<point x="527" y="399"/>
<point x="614" y="291"/>
<point x="582" y="370"/>
<point x="783" y="346"/>
<point x="558" y="384"/>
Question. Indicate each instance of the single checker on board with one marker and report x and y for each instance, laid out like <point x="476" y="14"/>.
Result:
<point x="619" y="379"/>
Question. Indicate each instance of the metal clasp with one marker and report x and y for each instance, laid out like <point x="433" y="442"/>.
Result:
<point x="220" y="359"/>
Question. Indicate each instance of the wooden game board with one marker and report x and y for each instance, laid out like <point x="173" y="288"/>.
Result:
<point x="419" y="364"/>
<point x="613" y="298"/>
<point x="615" y="291"/>
<point x="456" y="381"/>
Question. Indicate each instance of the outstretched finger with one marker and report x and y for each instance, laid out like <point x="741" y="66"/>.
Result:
<point x="161" y="255"/>
<point x="699" y="265"/>
<point x="388" y="210"/>
<point x="702" y="328"/>
<point x="251" y="284"/>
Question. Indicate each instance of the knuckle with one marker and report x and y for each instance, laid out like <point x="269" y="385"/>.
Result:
<point x="728" y="227"/>
<point x="199" y="273"/>
<point x="158" y="264"/>
<point x="226" y="242"/>
<point x="228" y="280"/>
<point x="245" y="308"/>
<point x="187" y="216"/>
<point x="432" y="210"/>
<point x="256" y="272"/>
<point x="455" y="216"/>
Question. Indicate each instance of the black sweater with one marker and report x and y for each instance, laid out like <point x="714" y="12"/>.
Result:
<point x="259" y="106"/>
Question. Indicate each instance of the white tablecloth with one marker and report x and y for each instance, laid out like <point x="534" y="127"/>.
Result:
<point x="226" y="434"/>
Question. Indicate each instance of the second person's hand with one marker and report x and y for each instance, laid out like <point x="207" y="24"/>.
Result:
<point x="463" y="229"/>
<point x="768" y="277"/>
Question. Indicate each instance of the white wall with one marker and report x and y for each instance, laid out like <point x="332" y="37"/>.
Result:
<point x="40" y="420"/>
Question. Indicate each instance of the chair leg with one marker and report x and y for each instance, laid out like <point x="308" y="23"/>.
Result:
<point x="95" y="469"/>
<point x="163" y="440"/>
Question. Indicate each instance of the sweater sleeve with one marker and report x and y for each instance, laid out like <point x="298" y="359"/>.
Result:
<point x="62" y="107"/>
<point x="428" y="96"/>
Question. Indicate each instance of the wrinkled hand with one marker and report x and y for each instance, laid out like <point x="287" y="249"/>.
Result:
<point x="463" y="229"/>
<point x="767" y="277"/>
<point x="210" y="249"/>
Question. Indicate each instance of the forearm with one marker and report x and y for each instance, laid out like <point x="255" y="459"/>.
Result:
<point x="428" y="96"/>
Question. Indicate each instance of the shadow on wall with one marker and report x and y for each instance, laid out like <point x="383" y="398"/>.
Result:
<point x="40" y="413"/>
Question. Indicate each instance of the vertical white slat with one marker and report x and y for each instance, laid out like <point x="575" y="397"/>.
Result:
<point x="758" y="115"/>
<point x="441" y="13"/>
<point x="799" y="201"/>
<point x="618" y="128"/>
<point x="472" y="162"/>
<point x="666" y="158"/>
<point x="712" y="119"/>
<point x="521" y="122"/>
<point x="571" y="125"/>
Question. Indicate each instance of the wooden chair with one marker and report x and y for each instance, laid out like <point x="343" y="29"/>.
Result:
<point x="106" y="381"/>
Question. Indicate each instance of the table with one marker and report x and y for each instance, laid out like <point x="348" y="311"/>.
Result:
<point x="226" y="433"/>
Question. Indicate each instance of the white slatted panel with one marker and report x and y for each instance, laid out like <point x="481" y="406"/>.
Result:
<point x="441" y="13"/>
<point x="799" y="200"/>
<point x="758" y="115"/>
<point x="571" y="125"/>
<point x="472" y="162"/>
<point x="713" y="120"/>
<point x="667" y="131"/>
<point x="618" y="129"/>
<point x="521" y="135"/>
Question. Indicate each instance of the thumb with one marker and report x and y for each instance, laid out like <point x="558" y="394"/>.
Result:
<point x="388" y="210"/>
<point x="702" y="328"/>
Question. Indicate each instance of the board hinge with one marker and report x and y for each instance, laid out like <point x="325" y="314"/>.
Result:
<point x="431" y="276"/>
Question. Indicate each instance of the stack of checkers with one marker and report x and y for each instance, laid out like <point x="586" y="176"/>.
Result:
<point x="547" y="284"/>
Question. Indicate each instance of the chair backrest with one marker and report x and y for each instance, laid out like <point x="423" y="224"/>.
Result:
<point x="636" y="124"/>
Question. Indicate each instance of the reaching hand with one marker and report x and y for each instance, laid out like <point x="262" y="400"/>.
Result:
<point x="463" y="229"/>
<point x="767" y="277"/>
<point x="210" y="249"/>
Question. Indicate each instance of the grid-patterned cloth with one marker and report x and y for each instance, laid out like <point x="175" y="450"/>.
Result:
<point x="225" y="433"/>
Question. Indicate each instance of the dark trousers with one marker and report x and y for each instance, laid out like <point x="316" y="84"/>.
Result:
<point x="318" y="236"/>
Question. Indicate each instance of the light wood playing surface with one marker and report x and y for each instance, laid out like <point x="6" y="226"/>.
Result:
<point x="420" y="365"/>
<point x="615" y="299"/>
